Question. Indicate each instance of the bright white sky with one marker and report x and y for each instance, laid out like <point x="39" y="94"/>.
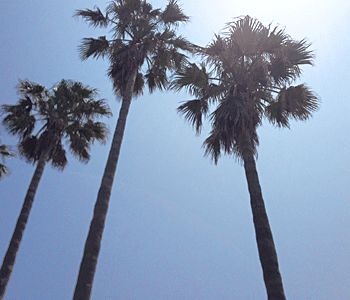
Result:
<point x="180" y="227"/>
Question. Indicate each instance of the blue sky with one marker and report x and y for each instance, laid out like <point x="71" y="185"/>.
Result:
<point x="180" y="227"/>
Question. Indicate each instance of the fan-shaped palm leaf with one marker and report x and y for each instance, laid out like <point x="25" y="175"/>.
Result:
<point x="192" y="78"/>
<point x="297" y="102"/>
<point x="94" y="47"/>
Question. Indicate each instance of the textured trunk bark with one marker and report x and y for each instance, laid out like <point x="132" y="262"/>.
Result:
<point x="93" y="242"/>
<point x="266" y="246"/>
<point x="11" y="254"/>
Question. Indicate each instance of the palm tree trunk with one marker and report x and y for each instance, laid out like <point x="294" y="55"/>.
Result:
<point x="11" y="254"/>
<point x="93" y="242"/>
<point x="266" y="246"/>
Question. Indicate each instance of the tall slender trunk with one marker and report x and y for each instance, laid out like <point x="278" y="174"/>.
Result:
<point x="11" y="254"/>
<point x="93" y="242"/>
<point x="264" y="239"/>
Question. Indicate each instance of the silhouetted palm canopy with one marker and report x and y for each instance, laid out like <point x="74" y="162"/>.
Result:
<point x="143" y="47"/>
<point x="247" y="74"/>
<point x="43" y="119"/>
<point x="142" y="39"/>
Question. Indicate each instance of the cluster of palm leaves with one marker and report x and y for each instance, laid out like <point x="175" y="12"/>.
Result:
<point x="66" y="113"/>
<point x="246" y="74"/>
<point x="144" y="43"/>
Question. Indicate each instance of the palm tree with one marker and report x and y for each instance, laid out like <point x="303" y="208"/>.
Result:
<point x="143" y="48"/>
<point x="66" y="113"/>
<point x="4" y="153"/>
<point x="247" y="74"/>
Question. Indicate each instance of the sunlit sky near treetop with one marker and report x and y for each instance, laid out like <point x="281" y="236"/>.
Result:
<point x="180" y="227"/>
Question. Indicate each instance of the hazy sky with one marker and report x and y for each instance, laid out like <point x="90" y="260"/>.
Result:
<point x="178" y="226"/>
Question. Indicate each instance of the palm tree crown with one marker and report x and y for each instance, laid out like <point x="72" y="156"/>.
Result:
<point x="143" y="39"/>
<point x="247" y="74"/>
<point x="67" y="112"/>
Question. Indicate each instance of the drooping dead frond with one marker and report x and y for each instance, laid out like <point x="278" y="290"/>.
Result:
<point x="194" y="111"/>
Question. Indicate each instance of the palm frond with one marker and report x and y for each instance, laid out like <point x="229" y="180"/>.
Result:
<point x="232" y="119"/>
<point x="131" y="18"/>
<point x="36" y="92"/>
<point x="300" y="101"/>
<point x="120" y="15"/>
<point x="91" y="108"/>
<point x="18" y="119"/>
<point x="29" y="150"/>
<point x="58" y="157"/>
<point x="286" y="61"/>
<point x="182" y="43"/>
<point x="93" y="47"/>
<point x="216" y="51"/>
<point x="282" y="71"/>
<point x="173" y="14"/>
<point x="191" y="77"/>
<point x="220" y="140"/>
<point x="81" y="91"/>
<point x="194" y="111"/>
<point x="99" y="131"/>
<point x="297" y="102"/>
<point x="272" y="40"/>
<point x="82" y="135"/>
<point x="139" y="84"/>
<point x="80" y="138"/>
<point x="178" y="61"/>
<point x="94" y="17"/>
<point x="298" y="52"/>
<point x="243" y="25"/>
<point x="80" y="147"/>
<point x="244" y="35"/>
<point x="212" y="146"/>
<point x="276" y="114"/>
<point x="225" y="141"/>
<point x="156" y="78"/>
